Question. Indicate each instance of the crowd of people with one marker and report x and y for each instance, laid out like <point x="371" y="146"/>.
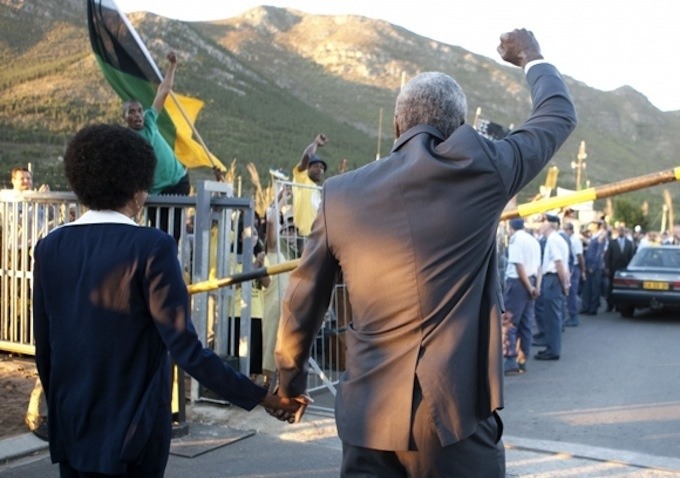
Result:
<point x="558" y="270"/>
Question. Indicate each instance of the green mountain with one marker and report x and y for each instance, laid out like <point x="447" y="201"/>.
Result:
<point x="273" y="78"/>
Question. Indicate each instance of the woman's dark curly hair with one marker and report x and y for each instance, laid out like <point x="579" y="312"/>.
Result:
<point x="107" y="164"/>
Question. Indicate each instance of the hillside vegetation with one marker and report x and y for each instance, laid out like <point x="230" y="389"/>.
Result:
<point x="273" y="78"/>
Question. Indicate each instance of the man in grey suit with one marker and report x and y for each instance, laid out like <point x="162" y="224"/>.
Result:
<point x="415" y="237"/>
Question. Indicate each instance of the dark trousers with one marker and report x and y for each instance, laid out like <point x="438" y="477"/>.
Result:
<point x="592" y="291"/>
<point x="610" y="283"/>
<point x="481" y="455"/>
<point x="182" y="188"/>
<point x="553" y="301"/>
<point x="539" y="308"/>
<point x="255" y="346"/>
<point x="520" y="304"/>
<point x="572" y="298"/>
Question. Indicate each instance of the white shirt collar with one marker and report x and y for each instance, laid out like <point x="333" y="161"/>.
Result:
<point x="102" y="217"/>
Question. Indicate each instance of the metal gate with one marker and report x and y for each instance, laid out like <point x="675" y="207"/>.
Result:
<point x="205" y="226"/>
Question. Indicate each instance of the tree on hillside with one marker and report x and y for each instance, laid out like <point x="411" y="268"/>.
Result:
<point x="630" y="214"/>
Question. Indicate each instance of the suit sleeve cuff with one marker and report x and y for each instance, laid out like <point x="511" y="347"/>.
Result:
<point x="533" y="63"/>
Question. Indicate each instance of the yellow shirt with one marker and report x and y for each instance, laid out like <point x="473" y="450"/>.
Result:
<point x="306" y="200"/>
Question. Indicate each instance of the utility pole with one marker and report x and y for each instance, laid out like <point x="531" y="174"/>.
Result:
<point x="664" y="217"/>
<point x="668" y="202"/>
<point x="580" y="164"/>
<point x="377" y="156"/>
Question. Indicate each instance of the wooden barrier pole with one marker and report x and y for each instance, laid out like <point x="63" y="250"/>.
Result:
<point x="242" y="277"/>
<point x="523" y="210"/>
<point x="591" y="194"/>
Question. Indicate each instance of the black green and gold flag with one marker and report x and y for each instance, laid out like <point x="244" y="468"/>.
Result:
<point x="129" y="69"/>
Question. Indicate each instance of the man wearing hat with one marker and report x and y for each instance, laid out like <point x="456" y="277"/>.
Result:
<point x="522" y="286"/>
<point x="308" y="176"/>
<point x="555" y="285"/>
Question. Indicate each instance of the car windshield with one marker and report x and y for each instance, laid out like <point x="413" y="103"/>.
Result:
<point x="656" y="257"/>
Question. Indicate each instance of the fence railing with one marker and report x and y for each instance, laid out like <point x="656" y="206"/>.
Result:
<point x="204" y="225"/>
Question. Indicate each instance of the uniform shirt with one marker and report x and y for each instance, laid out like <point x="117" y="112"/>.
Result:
<point x="594" y="253"/>
<point x="306" y="200"/>
<point x="576" y="247"/>
<point x="556" y="249"/>
<point x="523" y="249"/>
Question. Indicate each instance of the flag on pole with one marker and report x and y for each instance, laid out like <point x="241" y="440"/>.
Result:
<point x="127" y="66"/>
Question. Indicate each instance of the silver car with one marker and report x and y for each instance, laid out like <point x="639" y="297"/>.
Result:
<point x="651" y="280"/>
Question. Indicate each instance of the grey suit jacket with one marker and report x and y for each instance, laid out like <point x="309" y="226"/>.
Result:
<point x="415" y="237"/>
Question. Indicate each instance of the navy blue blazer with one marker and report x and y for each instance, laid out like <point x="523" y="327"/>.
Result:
<point x="109" y="303"/>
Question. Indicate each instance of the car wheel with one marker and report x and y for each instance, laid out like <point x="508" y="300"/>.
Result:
<point x="626" y="310"/>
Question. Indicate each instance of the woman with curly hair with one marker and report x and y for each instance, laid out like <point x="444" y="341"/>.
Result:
<point x="109" y="303"/>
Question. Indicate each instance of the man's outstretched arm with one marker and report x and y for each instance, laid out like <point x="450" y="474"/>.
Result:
<point x="310" y="151"/>
<point x="166" y="85"/>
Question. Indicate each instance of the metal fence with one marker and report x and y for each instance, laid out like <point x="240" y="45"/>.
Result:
<point x="24" y="219"/>
<point x="205" y="226"/>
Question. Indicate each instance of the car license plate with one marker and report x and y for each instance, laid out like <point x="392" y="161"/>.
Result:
<point x="655" y="285"/>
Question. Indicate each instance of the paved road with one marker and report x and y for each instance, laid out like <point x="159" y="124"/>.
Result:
<point x="616" y="385"/>
<point x="610" y="407"/>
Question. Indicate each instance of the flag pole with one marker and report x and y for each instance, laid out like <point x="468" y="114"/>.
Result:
<point x="181" y="109"/>
<point x="139" y="41"/>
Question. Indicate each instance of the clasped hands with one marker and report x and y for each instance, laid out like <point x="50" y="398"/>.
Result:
<point x="286" y="409"/>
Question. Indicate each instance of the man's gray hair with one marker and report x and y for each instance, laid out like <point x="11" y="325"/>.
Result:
<point x="431" y="98"/>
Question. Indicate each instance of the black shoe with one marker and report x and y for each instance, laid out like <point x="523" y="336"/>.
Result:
<point x="537" y="336"/>
<point x="546" y="356"/>
<point x="521" y="369"/>
<point x="41" y="431"/>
